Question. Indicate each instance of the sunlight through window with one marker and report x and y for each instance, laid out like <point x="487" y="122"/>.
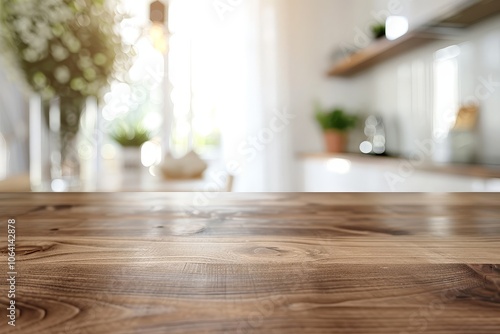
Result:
<point x="446" y="100"/>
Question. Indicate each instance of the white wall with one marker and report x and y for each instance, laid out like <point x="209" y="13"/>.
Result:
<point x="316" y="28"/>
<point x="400" y="89"/>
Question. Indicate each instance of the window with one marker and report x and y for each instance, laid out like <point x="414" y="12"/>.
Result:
<point x="446" y="90"/>
<point x="187" y="118"/>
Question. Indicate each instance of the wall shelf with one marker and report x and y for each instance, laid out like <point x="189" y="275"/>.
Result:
<point x="379" y="51"/>
<point x="471" y="12"/>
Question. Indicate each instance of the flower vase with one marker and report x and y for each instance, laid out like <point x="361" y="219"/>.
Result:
<point x="59" y="146"/>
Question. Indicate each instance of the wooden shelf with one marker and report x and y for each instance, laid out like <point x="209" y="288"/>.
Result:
<point x="379" y="51"/>
<point x="471" y="12"/>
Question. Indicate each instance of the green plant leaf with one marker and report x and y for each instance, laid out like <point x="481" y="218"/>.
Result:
<point x="130" y="135"/>
<point x="336" y="119"/>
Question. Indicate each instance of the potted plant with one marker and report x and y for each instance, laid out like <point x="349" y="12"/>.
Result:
<point x="378" y="30"/>
<point x="131" y="136"/>
<point x="335" y="124"/>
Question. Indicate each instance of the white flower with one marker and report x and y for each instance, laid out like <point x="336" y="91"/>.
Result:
<point x="58" y="30"/>
<point x="74" y="46"/>
<point x="43" y="30"/>
<point x="39" y="45"/>
<point x="59" y="52"/>
<point x="84" y="62"/>
<point x="59" y="15"/>
<point x="24" y="7"/>
<point x="30" y="55"/>
<point x="40" y="80"/>
<point x="89" y="74"/>
<point x="83" y="20"/>
<point x="62" y="74"/>
<point x="77" y="84"/>
<point x="100" y="59"/>
<point x="71" y="42"/>
<point x="22" y="25"/>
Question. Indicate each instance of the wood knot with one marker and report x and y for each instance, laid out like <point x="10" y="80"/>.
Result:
<point x="28" y="249"/>
<point x="268" y="251"/>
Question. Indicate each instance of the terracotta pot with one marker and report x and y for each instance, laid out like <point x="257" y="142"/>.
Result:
<point x="336" y="141"/>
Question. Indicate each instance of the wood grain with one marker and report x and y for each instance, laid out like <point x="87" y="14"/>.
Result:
<point x="379" y="51"/>
<point x="254" y="263"/>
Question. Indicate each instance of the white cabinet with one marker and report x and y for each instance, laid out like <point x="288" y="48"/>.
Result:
<point x="344" y="173"/>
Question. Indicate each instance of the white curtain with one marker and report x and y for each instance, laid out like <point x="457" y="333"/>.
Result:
<point x="245" y="44"/>
<point x="228" y="56"/>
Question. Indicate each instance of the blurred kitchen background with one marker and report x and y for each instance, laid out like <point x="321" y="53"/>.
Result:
<point x="253" y="95"/>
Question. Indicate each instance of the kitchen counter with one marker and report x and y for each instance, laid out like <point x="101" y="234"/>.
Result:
<point x="350" y="172"/>
<point x="253" y="263"/>
<point x="469" y="170"/>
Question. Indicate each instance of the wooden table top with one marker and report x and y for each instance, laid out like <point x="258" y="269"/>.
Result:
<point x="253" y="263"/>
